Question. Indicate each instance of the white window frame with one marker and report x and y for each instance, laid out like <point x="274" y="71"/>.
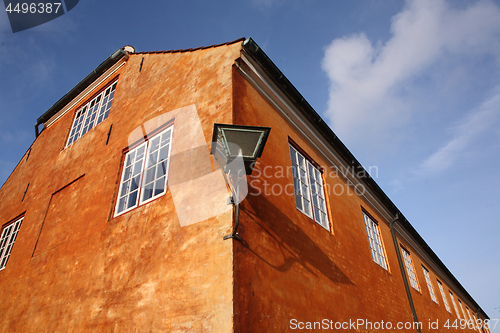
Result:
<point x="156" y="165"/>
<point x="309" y="189"/>
<point x="429" y="284"/>
<point x="470" y="318"/>
<point x="410" y="269"/>
<point x="7" y="239"/>
<point x="137" y="168"/>
<point x="92" y="114"/>
<point x="375" y="241"/>
<point x="461" y="307"/>
<point x="454" y="304"/>
<point x="445" y="301"/>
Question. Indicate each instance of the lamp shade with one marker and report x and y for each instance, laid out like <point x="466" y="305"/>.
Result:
<point x="232" y="141"/>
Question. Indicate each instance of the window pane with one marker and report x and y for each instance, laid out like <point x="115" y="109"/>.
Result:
<point x="150" y="175"/>
<point x="9" y="235"/>
<point x="293" y="155"/>
<point x="152" y="158"/>
<point x="162" y="169"/>
<point x="131" y="179"/>
<point x="440" y="286"/>
<point x="106" y="103"/>
<point x="375" y="242"/>
<point x="298" y="201"/>
<point x="148" y="191"/>
<point x="127" y="173"/>
<point x="91" y="114"/>
<point x="429" y="284"/>
<point x="159" y="186"/>
<point x="77" y="125"/>
<point x="121" y="204"/>
<point x="158" y="158"/>
<point x="154" y="144"/>
<point x="164" y="153"/>
<point x="98" y="109"/>
<point x="135" y="183"/>
<point x="307" y="206"/>
<point x="132" y="199"/>
<point x="409" y="269"/>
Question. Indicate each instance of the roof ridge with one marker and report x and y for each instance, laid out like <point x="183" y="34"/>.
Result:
<point x="193" y="49"/>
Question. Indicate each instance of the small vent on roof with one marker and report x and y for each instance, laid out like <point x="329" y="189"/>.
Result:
<point x="129" y="49"/>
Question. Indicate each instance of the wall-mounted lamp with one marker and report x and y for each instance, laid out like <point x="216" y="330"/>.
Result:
<point x="230" y="142"/>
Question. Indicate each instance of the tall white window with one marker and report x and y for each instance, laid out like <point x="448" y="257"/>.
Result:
<point x="409" y="269"/>
<point x="470" y="319"/>
<point x="91" y="114"/>
<point x="429" y="284"/>
<point x="9" y="235"/>
<point x="461" y="307"/>
<point x="454" y="304"/>
<point x="375" y="241"/>
<point x="447" y="306"/>
<point x="145" y="172"/>
<point x="476" y="322"/>
<point x="308" y="188"/>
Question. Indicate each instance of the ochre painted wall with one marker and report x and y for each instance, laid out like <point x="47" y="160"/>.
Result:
<point x="287" y="267"/>
<point x="75" y="268"/>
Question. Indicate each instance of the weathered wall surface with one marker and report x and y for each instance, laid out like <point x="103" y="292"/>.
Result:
<point x="289" y="267"/>
<point x="75" y="268"/>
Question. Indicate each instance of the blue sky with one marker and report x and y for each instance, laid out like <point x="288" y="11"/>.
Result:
<point x="411" y="87"/>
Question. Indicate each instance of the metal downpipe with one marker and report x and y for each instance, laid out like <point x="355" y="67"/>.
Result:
<point x="403" y="272"/>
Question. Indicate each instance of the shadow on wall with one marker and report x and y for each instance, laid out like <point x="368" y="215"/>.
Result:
<point x="296" y="246"/>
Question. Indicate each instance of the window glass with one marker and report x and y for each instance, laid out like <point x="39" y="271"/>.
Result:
<point x="447" y="306"/>
<point x="429" y="284"/>
<point x="157" y="165"/>
<point x="454" y="304"/>
<point x="131" y="179"/>
<point x="9" y="235"/>
<point x="308" y="187"/>
<point x="409" y="269"/>
<point x="375" y="241"/>
<point x="91" y="114"/>
<point x="145" y="172"/>
<point x="77" y="125"/>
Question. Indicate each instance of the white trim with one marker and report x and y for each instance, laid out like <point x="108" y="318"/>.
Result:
<point x="93" y="108"/>
<point x="7" y="241"/>
<point x="84" y="94"/>
<point x="140" y="191"/>
<point x="443" y="295"/>
<point x="430" y="287"/>
<point x="145" y="145"/>
<point x="141" y="201"/>
<point x="375" y="241"/>
<point x="410" y="268"/>
<point x="454" y="304"/>
<point x="257" y="77"/>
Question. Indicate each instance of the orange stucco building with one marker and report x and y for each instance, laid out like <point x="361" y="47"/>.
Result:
<point x="114" y="219"/>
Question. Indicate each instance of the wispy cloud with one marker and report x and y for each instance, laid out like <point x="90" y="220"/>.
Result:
<point x="478" y="122"/>
<point x="370" y="82"/>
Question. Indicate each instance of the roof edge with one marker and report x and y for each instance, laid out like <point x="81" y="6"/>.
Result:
<point x="252" y="49"/>
<point x="242" y="39"/>
<point x="98" y="71"/>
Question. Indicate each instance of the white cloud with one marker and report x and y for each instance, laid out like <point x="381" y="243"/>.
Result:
<point x="478" y="122"/>
<point x="366" y="81"/>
